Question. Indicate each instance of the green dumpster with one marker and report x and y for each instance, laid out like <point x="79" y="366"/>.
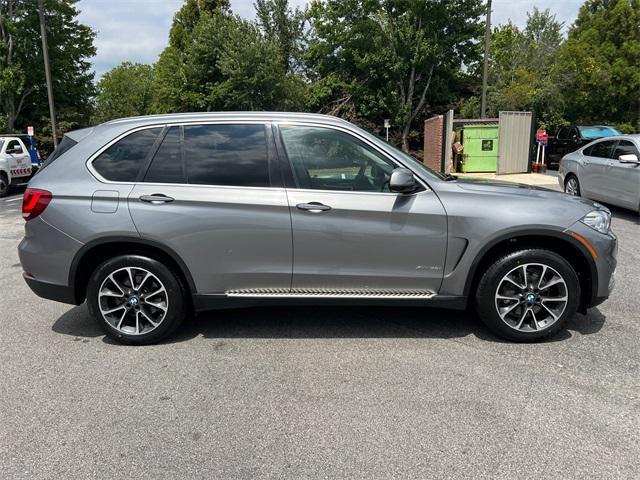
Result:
<point x="480" y="148"/>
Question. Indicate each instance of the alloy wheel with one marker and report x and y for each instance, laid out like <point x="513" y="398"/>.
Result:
<point x="133" y="300"/>
<point x="531" y="297"/>
<point x="572" y="187"/>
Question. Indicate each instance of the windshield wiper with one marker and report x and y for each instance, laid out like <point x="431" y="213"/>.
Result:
<point x="449" y="178"/>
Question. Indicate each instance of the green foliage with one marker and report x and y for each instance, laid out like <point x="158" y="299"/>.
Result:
<point x="599" y="64"/>
<point x="389" y="58"/>
<point x="23" y="97"/>
<point x="284" y="25"/>
<point x="224" y="62"/>
<point x="125" y="91"/>
<point x="522" y="64"/>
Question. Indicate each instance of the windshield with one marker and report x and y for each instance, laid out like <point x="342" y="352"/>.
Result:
<point x="598" y="132"/>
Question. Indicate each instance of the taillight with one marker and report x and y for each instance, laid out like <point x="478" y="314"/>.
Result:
<point x="34" y="202"/>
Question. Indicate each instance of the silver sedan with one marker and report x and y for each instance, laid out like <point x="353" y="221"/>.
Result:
<point x="607" y="170"/>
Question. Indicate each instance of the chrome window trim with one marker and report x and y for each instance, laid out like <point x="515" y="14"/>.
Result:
<point x="100" y="151"/>
<point x="363" y="139"/>
<point x="230" y="121"/>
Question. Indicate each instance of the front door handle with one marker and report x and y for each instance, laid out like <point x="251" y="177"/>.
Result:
<point x="314" y="207"/>
<point x="156" y="198"/>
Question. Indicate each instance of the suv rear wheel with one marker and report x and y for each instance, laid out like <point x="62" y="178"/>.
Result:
<point x="136" y="300"/>
<point x="528" y="295"/>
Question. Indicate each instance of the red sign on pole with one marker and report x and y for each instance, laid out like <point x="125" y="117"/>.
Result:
<point x="542" y="137"/>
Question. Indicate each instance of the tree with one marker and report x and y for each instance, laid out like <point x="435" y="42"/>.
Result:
<point x="599" y="64"/>
<point x="22" y="82"/>
<point x="124" y="91"/>
<point x="171" y="91"/>
<point x="390" y="57"/>
<point x="521" y="69"/>
<point x="283" y="25"/>
<point x="223" y="62"/>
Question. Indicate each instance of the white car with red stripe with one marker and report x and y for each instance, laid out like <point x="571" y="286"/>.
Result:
<point x="15" y="163"/>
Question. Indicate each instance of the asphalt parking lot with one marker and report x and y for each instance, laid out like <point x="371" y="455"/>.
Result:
<point x="318" y="393"/>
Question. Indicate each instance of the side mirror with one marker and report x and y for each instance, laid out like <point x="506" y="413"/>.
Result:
<point x="630" y="158"/>
<point x="402" y="181"/>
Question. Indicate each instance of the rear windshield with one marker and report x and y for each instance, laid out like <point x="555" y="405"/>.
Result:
<point x="1" y="144"/>
<point x="598" y="132"/>
<point x="65" y="145"/>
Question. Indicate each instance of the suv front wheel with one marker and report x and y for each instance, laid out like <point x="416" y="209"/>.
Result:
<point x="136" y="300"/>
<point x="528" y="295"/>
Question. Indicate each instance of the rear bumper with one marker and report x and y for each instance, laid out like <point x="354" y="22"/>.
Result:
<point x="50" y="291"/>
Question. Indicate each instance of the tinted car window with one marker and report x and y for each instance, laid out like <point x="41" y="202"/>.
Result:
<point x="563" y="133"/>
<point x="121" y="162"/>
<point x="601" y="149"/>
<point x="166" y="166"/>
<point x="625" y="147"/>
<point x="66" y="144"/>
<point x="327" y="159"/>
<point x="226" y="155"/>
<point x="15" y="144"/>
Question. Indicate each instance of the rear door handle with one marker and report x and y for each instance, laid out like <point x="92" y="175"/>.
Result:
<point x="156" y="198"/>
<point x="314" y="207"/>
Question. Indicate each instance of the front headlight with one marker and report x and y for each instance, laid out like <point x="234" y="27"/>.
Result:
<point x="599" y="220"/>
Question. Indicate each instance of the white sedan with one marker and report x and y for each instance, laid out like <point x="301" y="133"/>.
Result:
<point x="607" y="170"/>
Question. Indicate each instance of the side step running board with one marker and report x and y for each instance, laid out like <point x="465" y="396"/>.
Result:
<point x="328" y="293"/>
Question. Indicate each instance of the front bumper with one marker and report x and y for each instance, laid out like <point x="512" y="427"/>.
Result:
<point x="605" y="247"/>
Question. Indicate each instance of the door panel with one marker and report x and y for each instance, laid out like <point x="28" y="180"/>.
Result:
<point x="368" y="240"/>
<point x="229" y="237"/>
<point x="349" y="230"/>
<point x="595" y="162"/>
<point x="622" y="184"/>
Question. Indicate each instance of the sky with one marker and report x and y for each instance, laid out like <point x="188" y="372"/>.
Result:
<point x="137" y="30"/>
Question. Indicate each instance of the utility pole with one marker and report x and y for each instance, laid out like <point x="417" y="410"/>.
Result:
<point x="47" y="72"/>
<point x="485" y="72"/>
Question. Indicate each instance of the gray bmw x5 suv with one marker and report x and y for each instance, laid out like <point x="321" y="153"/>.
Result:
<point x="153" y="218"/>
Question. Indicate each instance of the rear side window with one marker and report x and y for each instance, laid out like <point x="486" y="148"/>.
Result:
<point x="121" y="162"/>
<point x="226" y="155"/>
<point x="601" y="149"/>
<point x="166" y="166"/>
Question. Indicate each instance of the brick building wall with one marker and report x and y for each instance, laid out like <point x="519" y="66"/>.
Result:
<point x="433" y="134"/>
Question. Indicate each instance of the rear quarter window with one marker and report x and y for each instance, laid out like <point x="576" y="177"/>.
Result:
<point x="122" y="161"/>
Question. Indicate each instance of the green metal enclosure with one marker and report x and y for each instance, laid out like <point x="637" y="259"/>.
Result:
<point x="480" y="148"/>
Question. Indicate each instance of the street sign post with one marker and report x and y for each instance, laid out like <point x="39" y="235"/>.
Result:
<point x="387" y="125"/>
<point x="30" y="131"/>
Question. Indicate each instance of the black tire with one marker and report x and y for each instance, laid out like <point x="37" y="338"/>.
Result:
<point x="572" y="177"/>
<point x="176" y="306"/>
<point x="4" y="185"/>
<point x="487" y="305"/>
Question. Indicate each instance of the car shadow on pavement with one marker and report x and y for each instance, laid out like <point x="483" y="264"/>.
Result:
<point x="327" y="322"/>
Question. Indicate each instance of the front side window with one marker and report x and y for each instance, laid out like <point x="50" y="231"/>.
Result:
<point x="563" y="133"/>
<point x="327" y="159"/>
<point x="625" y="147"/>
<point x="602" y="149"/>
<point x="233" y="155"/>
<point x="122" y="161"/>
<point x="15" y="145"/>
